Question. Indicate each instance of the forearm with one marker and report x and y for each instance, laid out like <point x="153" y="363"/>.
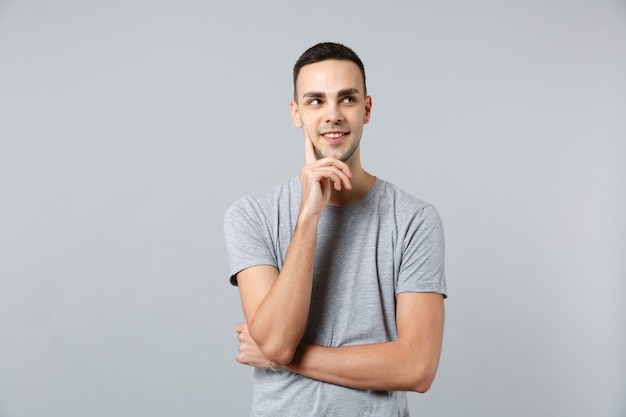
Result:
<point x="381" y="366"/>
<point x="279" y="322"/>
<point x="408" y="364"/>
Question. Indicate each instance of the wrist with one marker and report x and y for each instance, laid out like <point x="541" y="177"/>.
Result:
<point x="308" y="219"/>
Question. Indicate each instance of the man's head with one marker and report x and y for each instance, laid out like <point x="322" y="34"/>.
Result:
<point x="322" y="52"/>
<point x="330" y="102"/>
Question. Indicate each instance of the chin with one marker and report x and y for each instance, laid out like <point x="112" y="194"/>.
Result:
<point x="342" y="154"/>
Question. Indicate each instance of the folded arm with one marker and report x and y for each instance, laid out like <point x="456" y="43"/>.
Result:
<point x="408" y="364"/>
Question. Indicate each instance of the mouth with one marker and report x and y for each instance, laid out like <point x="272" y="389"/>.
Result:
<point x="335" y="136"/>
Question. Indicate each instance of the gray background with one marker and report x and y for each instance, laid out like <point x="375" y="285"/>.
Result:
<point x="128" y="127"/>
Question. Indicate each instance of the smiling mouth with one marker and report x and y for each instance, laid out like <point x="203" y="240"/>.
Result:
<point x="335" y="137"/>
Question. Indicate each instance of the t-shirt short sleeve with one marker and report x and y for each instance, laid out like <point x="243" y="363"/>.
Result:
<point x="423" y="253"/>
<point x="246" y="240"/>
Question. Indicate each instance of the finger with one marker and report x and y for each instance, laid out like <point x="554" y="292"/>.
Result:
<point x="309" y="151"/>
<point x="336" y="163"/>
<point x="342" y="181"/>
<point x="339" y="177"/>
<point x="240" y="327"/>
<point x="346" y="175"/>
<point x="329" y="174"/>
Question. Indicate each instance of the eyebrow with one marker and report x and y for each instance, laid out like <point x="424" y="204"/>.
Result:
<point x="341" y="93"/>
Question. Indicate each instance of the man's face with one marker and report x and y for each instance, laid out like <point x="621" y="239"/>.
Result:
<point x="332" y="107"/>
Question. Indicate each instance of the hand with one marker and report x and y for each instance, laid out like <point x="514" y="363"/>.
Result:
<point x="249" y="352"/>
<point x="319" y="176"/>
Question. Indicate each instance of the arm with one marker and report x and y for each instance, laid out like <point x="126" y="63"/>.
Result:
<point x="408" y="364"/>
<point x="276" y="304"/>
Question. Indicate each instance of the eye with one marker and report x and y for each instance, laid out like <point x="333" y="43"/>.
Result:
<point x="315" y="102"/>
<point x="348" y="99"/>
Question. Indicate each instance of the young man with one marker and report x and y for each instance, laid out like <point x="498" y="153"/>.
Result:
<point x="341" y="274"/>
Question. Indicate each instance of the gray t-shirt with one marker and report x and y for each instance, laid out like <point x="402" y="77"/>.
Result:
<point x="387" y="243"/>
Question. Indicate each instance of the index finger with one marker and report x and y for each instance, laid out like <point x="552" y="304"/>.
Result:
<point x="309" y="152"/>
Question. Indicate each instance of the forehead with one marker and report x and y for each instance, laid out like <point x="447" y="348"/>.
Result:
<point x="329" y="76"/>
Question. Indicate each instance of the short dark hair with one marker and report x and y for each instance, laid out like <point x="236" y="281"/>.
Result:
<point x="324" y="51"/>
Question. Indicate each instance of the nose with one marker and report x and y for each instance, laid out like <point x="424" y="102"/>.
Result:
<point x="334" y="115"/>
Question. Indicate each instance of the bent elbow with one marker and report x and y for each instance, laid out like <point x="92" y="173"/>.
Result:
<point x="282" y="355"/>
<point x="277" y="349"/>
<point x="423" y="386"/>
<point x="422" y="380"/>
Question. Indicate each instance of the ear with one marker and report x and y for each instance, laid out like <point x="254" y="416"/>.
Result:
<point x="295" y="115"/>
<point x="368" y="109"/>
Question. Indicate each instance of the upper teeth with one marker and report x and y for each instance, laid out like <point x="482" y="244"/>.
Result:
<point x="333" y="135"/>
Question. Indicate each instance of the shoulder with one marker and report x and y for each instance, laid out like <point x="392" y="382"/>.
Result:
<point x="404" y="202"/>
<point x="409" y="213"/>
